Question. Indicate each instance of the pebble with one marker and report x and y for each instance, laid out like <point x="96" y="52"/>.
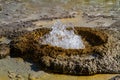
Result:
<point x="11" y="75"/>
<point x="14" y="76"/>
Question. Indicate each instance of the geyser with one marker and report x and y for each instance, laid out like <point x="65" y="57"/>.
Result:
<point x="61" y="37"/>
<point x="41" y="46"/>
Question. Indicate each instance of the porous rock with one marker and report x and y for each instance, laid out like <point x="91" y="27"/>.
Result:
<point x="101" y="53"/>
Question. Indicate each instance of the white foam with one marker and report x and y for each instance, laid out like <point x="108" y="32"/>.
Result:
<point x="61" y="37"/>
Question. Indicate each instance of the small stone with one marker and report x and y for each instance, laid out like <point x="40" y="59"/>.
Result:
<point x="0" y="8"/>
<point x="31" y="77"/>
<point x="19" y="77"/>
<point x="11" y="75"/>
<point x="115" y="78"/>
<point x="4" y="50"/>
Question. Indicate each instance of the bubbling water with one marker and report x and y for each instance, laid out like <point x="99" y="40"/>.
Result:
<point x="61" y="37"/>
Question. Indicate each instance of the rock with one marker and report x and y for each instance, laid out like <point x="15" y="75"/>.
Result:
<point x="11" y="75"/>
<point x="101" y="54"/>
<point x="31" y="77"/>
<point x="0" y="7"/>
<point x="4" y="50"/>
<point x="115" y="78"/>
<point x="36" y="76"/>
<point x="19" y="77"/>
<point x="14" y="76"/>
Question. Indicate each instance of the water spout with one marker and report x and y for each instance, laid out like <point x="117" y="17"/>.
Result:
<point x="61" y="37"/>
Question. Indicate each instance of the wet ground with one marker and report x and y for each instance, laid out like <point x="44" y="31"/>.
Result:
<point x="43" y="13"/>
<point x="95" y="10"/>
<point x="18" y="69"/>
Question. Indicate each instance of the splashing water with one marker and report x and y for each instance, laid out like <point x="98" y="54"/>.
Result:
<point x="61" y="37"/>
